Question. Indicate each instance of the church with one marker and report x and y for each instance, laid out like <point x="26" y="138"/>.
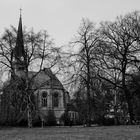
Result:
<point x="50" y="93"/>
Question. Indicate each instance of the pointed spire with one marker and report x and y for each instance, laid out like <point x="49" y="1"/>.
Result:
<point x="19" y="48"/>
<point x="20" y="11"/>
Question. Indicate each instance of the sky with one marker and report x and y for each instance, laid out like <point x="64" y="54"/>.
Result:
<point x="61" y="18"/>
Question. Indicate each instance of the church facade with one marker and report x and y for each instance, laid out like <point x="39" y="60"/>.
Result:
<point x="50" y="93"/>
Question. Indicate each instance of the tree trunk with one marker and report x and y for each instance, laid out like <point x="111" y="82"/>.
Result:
<point x="127" y="93"/>
<point x="130" y="110"/>
<point x="115" y="107"/>
<point x="89" y="108"/>
<point x="88" y="97"/>
<point x="116" y="116"/>
<point x="29" y="117"/>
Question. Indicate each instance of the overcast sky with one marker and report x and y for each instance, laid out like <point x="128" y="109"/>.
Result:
<point x="61" y="18"/>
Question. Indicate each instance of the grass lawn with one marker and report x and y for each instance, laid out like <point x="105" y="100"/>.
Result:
<point x="72" y="133"/>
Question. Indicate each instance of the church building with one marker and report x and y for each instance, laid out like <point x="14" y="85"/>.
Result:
<point x="50" y="93"/>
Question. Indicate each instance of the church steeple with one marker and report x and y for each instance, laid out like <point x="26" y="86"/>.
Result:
<point x="19" y="48"/>
<point x="19" y="52"/>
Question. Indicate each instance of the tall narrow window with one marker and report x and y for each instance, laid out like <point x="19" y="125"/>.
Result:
<point x="55" y="99"/>
<point x="44" y="99"/>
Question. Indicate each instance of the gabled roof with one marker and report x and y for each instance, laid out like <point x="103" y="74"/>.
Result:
<point x="45" y="79"/>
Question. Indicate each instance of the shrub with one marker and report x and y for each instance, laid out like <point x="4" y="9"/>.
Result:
<point x="108" y="121"/>
<point x="36" y="120"/>
<point x="65" y="118"/>
<point x="101" y="120"/>
<point x="51" y="119"/>
<point x="22" y="123"/>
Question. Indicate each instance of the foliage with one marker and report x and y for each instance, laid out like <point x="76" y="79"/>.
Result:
<point x="14" y="102"/>
<point x="101" y="101"/>
<point x="36" y="120"/>
<point x="65" y="118"/>
<point x="50" y="118"/>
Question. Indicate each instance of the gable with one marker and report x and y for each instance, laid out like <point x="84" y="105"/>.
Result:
<point x="45" y="79"/>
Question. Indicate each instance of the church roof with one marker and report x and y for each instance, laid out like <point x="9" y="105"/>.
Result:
<point x="45" y="79"/>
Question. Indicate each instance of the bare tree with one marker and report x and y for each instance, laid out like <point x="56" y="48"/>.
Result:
<point x="82" y="60"/>
<point x="118" y="52"/>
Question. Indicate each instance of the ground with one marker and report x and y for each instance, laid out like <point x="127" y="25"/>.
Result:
<point x="72" y="133"/>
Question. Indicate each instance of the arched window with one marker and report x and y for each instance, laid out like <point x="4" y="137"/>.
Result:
<point x="44" y="99"/>
<point x="55" y="99"/>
